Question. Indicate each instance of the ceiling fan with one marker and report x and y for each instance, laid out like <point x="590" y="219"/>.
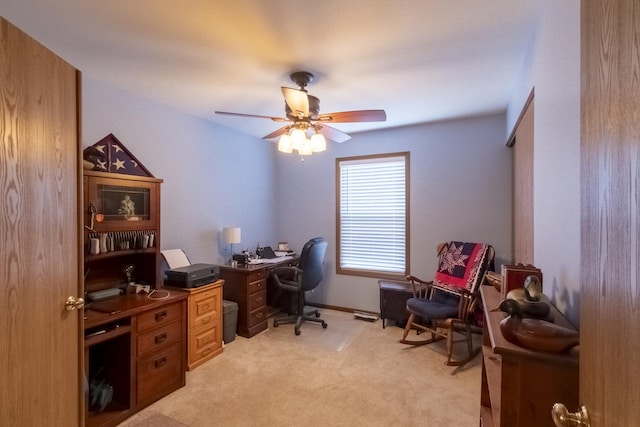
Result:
<point x="303" y="111"/>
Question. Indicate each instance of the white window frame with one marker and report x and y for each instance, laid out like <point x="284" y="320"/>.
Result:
<point x="366" y="248"/>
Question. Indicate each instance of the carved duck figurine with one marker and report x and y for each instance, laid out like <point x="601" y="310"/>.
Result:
<point x="535" y="334"/>
<point x="529" y="308"/>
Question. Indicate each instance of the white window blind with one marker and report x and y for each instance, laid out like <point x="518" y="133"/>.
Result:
<point x="373" y="214"/>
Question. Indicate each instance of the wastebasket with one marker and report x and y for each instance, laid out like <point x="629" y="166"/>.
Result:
<point x="229" y="320"/>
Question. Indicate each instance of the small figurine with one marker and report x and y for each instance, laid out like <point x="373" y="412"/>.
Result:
<point x="535" y="334"/>
<point x="532" y="288"/>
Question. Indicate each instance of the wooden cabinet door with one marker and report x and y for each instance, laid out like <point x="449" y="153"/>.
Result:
<point x="39" y="229"/>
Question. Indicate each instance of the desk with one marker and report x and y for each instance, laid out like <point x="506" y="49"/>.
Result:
<point x="247" y="286"/>
<point x="138" y="346"/>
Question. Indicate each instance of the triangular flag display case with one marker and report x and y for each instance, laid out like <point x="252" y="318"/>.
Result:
<point x="110" y="155"/>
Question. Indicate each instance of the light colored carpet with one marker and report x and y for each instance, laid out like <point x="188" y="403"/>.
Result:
<point x="341" y="330"/>
<point x="275" y="380"/>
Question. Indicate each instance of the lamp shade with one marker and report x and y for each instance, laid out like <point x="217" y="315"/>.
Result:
<point x="284" y="144"/>
<point x="318" y="143"/>
<point x="231" y="235"/>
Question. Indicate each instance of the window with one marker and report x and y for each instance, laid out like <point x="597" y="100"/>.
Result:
<point x="373" y="215"/>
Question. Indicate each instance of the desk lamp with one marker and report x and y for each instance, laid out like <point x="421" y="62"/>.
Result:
<point x="231" y="235"/>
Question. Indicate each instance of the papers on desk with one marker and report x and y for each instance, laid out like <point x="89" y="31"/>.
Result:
<point x="269" y="260"/>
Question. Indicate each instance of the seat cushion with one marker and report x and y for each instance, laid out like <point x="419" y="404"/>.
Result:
<point x="461" y="266"/>
<point x="433" y="309"/>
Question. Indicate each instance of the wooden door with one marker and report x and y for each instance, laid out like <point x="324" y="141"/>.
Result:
<point x="523" y="186"/>
<point x="39" y="246"/>
<point x="610" y="226"/>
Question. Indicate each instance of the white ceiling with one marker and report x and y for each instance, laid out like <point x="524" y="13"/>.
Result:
<point x="420" y="60"/>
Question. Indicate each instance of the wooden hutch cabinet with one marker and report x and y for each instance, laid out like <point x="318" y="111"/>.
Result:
<point x="135" y="342"/>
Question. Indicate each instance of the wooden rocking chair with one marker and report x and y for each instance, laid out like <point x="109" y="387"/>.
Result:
<point x="447" y="305"/>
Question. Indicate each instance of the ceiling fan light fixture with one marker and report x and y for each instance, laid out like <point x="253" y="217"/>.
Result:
<point x="318" y="143"/>
<point x="298" y="136"/>
<point x="284" y="144"/>
<point x="306" y="149"/>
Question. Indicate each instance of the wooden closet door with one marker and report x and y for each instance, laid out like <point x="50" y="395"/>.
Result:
<point x="523" y="242"/>
<point x="39" y="246"/>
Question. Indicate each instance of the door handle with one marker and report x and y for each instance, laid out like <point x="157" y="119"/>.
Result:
<point x="73" y="303"/>
<point x="563" y="418"/>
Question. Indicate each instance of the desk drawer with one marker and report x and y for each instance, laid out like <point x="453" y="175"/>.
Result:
<point x="159" y="337"/>
<point x="204" y="340"/>
<point x="257" y="275"/>
<point x="257" y="286"/>
<point x="159" y="316"/>
<point x="257" y="300"/>
<point x="204" y="307"/>
<point x="159" y="373"/>
<point x="257" y="316"/>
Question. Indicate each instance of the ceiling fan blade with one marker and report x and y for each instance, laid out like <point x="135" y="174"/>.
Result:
<point x="354" y="116"/>
<point x="275" y="119"/>
<point x="331" y="133"/>
<point x="278" y="132"/>
<point x="297" y="101"/>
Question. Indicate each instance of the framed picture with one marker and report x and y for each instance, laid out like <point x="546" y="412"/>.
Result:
<point x="126" y="203"/>
<point x="283" y="246"/>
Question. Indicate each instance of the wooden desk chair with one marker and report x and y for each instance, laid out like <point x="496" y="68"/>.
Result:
<point x="446" y="306"/>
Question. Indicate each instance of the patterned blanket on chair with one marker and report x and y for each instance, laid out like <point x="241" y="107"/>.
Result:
<point x="461" y="265"/>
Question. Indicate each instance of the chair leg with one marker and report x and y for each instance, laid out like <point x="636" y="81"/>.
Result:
<point x="301" y="316"/>
<point x="471" y="351"/>
<point x="407" y="327"/>
<point x="411" y="325"/>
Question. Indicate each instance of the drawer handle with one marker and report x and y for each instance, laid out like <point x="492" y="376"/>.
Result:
<point x="259" y="315"/>
<point x="206" y="319"/>
<point x="259" y="285"/>
<point x="161" y="361"/>
<point x="161" y="315"/>
<point x="205" y="307"/>
<point x="258" y="300"/>
<point x="160" y="338"/>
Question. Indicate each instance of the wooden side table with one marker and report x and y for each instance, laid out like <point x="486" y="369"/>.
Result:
<point x="393" y="300"/>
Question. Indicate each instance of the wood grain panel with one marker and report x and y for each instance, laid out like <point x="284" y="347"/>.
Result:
<point x="610" y="226"/>
<point x="523" y="236"/>
<point x="38" y="234"/>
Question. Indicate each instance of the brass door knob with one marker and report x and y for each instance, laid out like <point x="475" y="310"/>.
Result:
<point x="563" y="418"/>
<point x="73" y="303"/>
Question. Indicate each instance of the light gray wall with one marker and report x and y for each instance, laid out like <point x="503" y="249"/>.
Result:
<point x="460" y="190"/>
<point x="213" y="177"/>
<point x="553" y="67"/>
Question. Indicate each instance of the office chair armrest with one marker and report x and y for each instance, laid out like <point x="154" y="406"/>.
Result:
<point x="292" y="281"/>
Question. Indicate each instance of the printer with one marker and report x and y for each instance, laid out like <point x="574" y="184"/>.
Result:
<point x="192" y="276"/>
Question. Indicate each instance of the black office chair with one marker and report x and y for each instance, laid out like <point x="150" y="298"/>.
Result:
<point x="304" y="277"/>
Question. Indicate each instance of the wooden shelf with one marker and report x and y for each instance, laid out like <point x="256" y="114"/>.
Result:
<point x="97" y="337"/>
<point x="115" y="254"/>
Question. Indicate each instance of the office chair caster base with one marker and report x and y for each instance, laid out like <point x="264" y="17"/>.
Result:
<point x="297" y="331"/>
<point x="275" y="323"/>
